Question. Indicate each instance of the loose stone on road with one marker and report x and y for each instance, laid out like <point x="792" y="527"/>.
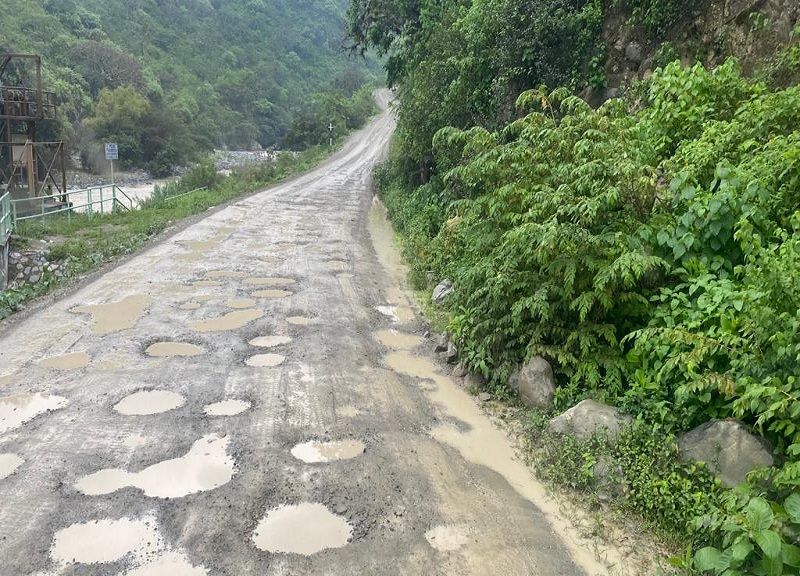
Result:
<point x="252" y="396"/>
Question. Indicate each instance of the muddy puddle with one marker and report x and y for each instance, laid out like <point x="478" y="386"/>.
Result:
<point x="230" y="321"/>
<point x="21" y="408"/>
<point x="389" y="311"/>
<point x="271" y="293"/>
<point x="149" y="402"/>
<point x="205" y="245"/>
<point x="191" y="306"/>
<point x="5" y="380"/>
<point x="9" y="464"/>
<point x="299" y="320"/>
<point x="269" y="341"/>
<point x="447" y="538"/>
<point x="106" y="540"/>
<point x="204" y="298"/>
<point x="225" y="274"/>
<point x="347" y="411"/>
<point x="67" y="362"/>
<point x="314" y="452"/>
<point x="265" y="360"/>
<point x="206" y="466"/>
<point x="398" y="340"/>
<point x="172" y="349"/>
<point x="301" y="529"/>
<point x="206" y="283"/>
<point x="227" y="408"/>
<point x="240" y="303"/>
<point x="116" y="316"/>
<point x="269" y="281"/>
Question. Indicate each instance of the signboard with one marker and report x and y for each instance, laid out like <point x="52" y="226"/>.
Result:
<point x="111" y="151"/>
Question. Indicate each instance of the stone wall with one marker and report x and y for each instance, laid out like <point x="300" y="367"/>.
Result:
<point x="28" y="267"/>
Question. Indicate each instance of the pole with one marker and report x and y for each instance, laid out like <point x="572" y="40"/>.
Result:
<point x="112" y="171"/>
<point x="330" y="130"/>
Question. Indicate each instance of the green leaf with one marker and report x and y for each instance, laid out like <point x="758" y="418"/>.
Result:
<point x="790" y="555"/>
<point x="706" y="558"/>
<point x="792" y="507"/>
<point x="770" y="543"/>
<point x="759" y="515"/>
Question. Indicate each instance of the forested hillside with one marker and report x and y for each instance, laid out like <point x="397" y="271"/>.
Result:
<point x="647" y="246"/>
<point x="169" y="78"/>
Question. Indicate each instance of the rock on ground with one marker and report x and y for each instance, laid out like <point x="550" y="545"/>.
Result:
<point x="728" y="448"/>
<point x="535" y="383"/>
<point x="442" y="291"/>
<point x="587" y="418"/>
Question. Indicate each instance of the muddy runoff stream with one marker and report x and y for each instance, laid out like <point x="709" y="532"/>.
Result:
<point x="253" y="395"/>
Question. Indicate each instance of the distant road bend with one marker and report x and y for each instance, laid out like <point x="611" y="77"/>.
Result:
<point x="253" y="396"/>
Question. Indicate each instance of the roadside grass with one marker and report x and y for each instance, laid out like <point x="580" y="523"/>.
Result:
<point x="86" y="243"/>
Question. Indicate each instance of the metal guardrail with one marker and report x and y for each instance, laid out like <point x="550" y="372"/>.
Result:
<point x="6" y="222"/>
<point x="103" y="196"/>
<point x="184" y="194"/>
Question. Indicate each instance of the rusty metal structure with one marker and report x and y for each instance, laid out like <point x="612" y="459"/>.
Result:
<point x="28" y="167"/>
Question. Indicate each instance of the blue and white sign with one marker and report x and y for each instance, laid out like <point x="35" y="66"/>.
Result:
<point x="112" y="153"/>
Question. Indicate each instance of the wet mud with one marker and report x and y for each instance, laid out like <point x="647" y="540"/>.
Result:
<point x="116" y="316"/>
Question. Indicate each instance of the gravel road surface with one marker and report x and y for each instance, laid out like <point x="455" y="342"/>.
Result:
<point x="254" y="396"/>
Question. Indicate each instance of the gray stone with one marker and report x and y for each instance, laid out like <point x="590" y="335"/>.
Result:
<point x="728" y="448"/>
<point x="34" y="278"/>
<point x="442" y="342"/>
<point x="634" y="52"/>
<point x="535" y="383"/>
<point x="474" y="381"/>
<point x="484" y="396"/>
<point x="452" y="353"/>
<point x="459" y="371"/>
<point x="442" y="291"/>
<point x="587" y="418"/>
<point x="608" y="479"/>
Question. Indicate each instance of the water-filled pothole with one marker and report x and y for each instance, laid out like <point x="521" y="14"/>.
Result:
<point x="206" y="283"/>
<point x="447" y="538"/>
<point x="301" y="529"/>
<point x="269" y="281"/>
<point x="20" y="408"/>
<point x="191" y="306"/>
<point x="398" y="340"/>
<point x="148" y="402"/>
<point x="9" y="464"/>
<point x="240" y="303"/>
<point x="171" y="349"/>
<point x="227" y="408"/>
<point x="105" y="541"/>
<point x="269" y="341"/>
<point x="225" y="274"/>
<point x="230" y="321"/>
<point x="265" y="360"/>
<point x="116" y="316"/>
<point x="66" y="362"/>
<point x="314" y="452"/>
<point x="299" y="320"/>
<point x="206" y="466"/>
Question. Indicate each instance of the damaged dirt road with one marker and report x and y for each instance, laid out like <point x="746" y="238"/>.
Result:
<point x="253" y="396"/>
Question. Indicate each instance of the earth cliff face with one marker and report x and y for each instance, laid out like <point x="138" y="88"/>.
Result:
<point x="750" y="30"/>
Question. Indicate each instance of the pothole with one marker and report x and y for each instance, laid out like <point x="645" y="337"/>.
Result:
<point x="299" y="320"/>
<point x="67" y="362"/>
<point x="20" y="408"/>
<point x="447" y="538"/>
<point x="116" y="316"/>
<point x="398" y="340"/>
<point x="191" y="306"/>
<point x="301" y="529"/>
<point x="265" y="360"/>
<point x="227" y="408"/>
<point x="240" y="303"/>
<point x="205" y="467"/>
<point x="169" y="564"/>
<point x="269" y="341"/>
<point x="149" y="402"/>
<point x="230" y="321"/>
<point x="269" y="281"/>
<point x="225" y="274"/>
<point x="171" y="349"/>
<point x="314" y="452"/>
<point x="271" y="293"/>
<point x="106" y="541"/>
<point x="347" y="411"/>
<point x="206" y="283"/>
<point x="389" y="311"/>
<point x="9" y="464"/>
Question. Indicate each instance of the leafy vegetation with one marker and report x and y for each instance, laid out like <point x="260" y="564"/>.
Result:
<point x="169" y="80"/>
<point x="649" y="252"/>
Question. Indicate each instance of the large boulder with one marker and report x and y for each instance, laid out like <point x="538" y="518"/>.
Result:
<point x="535" y="383"/>
<point x="728" y="448"/>
<point x="442" y="291"/>
<point x="587" y="418"/>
